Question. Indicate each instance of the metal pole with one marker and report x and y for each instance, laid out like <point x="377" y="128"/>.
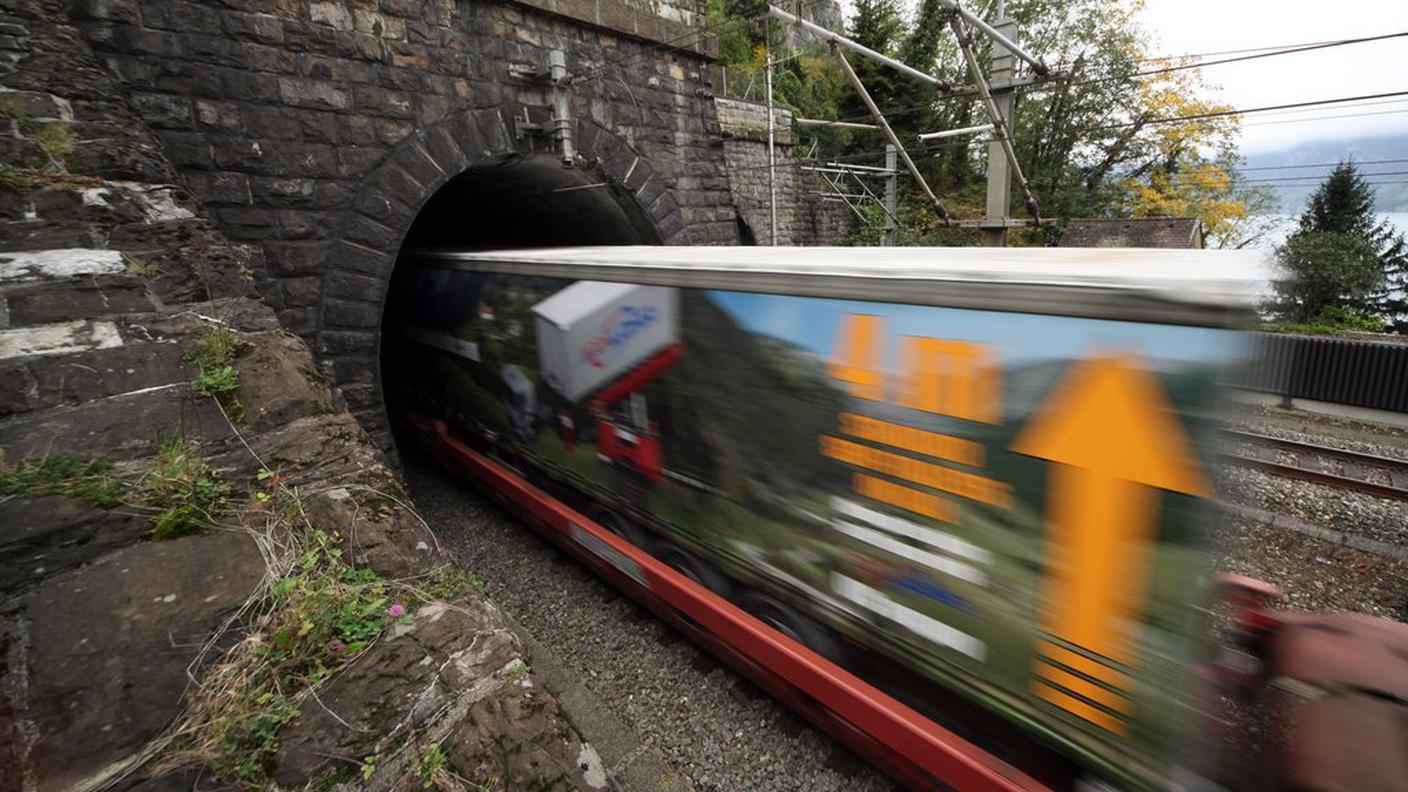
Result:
<point x="999" y="179"/>
<point x="999" y="132"/>
<point x="851" y="167"/>
<point x="837" y="39"/>
<point x="891" y="199"/>
<point x="772" y="154"/>
<point x="817" y="122"/>
<point x="948" y="133"/>
<point x="890" y="134"/>
<point x="561" y="106"/>
<point x="847" y="171"/>
<point x="997" y="36"/>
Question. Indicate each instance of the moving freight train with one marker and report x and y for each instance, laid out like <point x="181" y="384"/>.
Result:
<point x="976" y="479"/>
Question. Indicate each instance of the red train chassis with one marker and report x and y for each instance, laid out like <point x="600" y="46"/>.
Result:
<point x="922" y="754"/>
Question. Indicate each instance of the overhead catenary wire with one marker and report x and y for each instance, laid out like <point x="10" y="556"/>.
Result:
<point x="1292" y="50"/>
<point x="1218" y="53"/>
<point x="1289" y="50"/>
<point x="1322" y="165"/>
<point x="1172" y="119"/>
<point x="932" y="148"/>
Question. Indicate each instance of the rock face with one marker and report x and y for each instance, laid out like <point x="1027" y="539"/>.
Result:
<point x="109" y="645"/>
<point x="111" y="279"/>
<point x="478" y="701"/>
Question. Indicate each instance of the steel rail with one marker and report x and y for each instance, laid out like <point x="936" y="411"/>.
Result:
<point x="1397" y="468"/>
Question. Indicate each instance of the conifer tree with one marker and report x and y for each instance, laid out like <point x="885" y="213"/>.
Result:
<point x="1344" y="204"/>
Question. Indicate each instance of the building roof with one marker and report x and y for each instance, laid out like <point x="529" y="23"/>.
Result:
<point x="1143" y="232"/>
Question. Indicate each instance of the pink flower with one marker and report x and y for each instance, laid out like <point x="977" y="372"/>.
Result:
<point x="396" y="611"/>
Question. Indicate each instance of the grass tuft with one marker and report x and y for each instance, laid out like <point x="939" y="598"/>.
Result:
<point x="12" y="107"/>
<point x="431" y="767"/>
<point x="184" y="489"/>
<point x="322" y="614"/>
<point x="448" y="582"/>
<point x="179" y="487"/>
<point x="218" y="376"/>
<point x="93" y="480"/>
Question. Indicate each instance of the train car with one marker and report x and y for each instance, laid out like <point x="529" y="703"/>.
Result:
<point x="976" y="478"/>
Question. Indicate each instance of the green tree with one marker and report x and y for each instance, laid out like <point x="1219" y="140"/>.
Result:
<point x="1095" y="144"/>
<point x="876" y="24"/>
<point x="1344" y="204"/>
<point x="1323" y="271"/>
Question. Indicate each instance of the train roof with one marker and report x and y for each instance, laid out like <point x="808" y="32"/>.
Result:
<point x="1215" y="287"/>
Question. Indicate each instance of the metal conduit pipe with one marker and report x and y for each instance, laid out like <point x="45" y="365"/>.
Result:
<point x="817" y="122"/>
<point x="890" y="135"/>
<point x="839" y="40"/>
<point x="948" y="133"/>
<point x="1037" y="65"/>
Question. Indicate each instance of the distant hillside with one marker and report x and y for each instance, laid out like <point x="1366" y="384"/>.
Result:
<point x="1391" y="197"/>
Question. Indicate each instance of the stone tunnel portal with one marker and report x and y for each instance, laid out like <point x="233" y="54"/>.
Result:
<point x="529" y="202"/>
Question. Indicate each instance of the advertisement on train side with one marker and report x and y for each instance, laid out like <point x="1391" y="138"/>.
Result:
<point x="1008" y="503"/>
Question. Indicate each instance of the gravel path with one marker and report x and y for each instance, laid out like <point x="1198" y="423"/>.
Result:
<point x="713" y="727"/>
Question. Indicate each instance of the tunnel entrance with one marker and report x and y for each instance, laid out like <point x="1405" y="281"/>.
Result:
<point x="529" y="202"/>
<point x="532" y="202"/>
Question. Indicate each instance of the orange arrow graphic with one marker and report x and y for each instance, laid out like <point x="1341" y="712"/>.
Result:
<point x="1115" y="439"/>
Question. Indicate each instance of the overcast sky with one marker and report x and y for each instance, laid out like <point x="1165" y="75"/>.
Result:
<point x="1196" y="26"/>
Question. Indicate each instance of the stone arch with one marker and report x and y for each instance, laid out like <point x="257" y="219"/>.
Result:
<point x="360" y="262"/>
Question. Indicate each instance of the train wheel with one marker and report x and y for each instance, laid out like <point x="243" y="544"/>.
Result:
<point x="692" y="567"/>
<point x="618" y="525"/>
<point x="794" y="625"/>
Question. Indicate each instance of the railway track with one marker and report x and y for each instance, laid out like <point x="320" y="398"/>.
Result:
<point x="1385" y="477"/>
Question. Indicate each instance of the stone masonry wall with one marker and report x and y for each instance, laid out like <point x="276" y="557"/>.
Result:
<point x="802" y="217"/>
<point x="317" y="128"/>
<point x="110" y="279"/>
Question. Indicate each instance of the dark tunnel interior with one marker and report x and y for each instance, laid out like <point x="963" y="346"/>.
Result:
<point x="528" y="202"/>
<point x="532" y="202"/>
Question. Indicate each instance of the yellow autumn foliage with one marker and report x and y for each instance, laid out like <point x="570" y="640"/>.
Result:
<point x="1187" y="174"/>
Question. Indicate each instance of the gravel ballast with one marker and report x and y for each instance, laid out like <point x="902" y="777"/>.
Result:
<point x="1316" y="574"/>
<point x="1350" y="511"/>
<point x="1289" y="424"/>
<point x="713" y="727"/>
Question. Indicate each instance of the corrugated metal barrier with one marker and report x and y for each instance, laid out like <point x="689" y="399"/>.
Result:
<point x="1359" y="373"/>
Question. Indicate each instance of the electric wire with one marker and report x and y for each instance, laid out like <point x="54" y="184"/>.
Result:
<point x="1286" y="51"/>
<point x="1290" y="50"/>
<point x="1322" y="165"/>
<point x="1170" y="119"/>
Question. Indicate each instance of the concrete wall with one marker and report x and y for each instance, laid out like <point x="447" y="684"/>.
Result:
<point x="318" y="129"/>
